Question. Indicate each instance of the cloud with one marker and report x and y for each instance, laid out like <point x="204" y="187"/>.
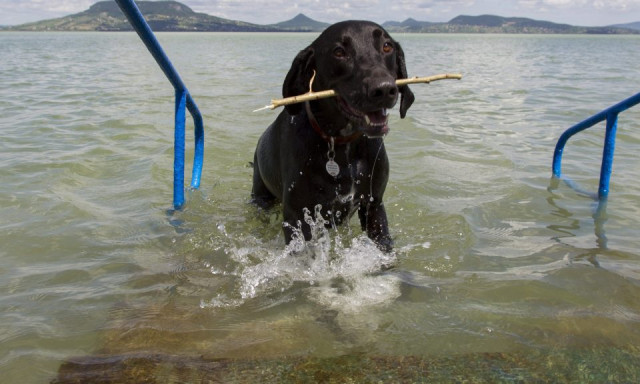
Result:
<point x="270" y="11"/>
<point x="50" y="6"/>
<point x="579" y="4"/>
<point x="263" y="11"/>
<point x="582" y="12"/>
<point x="618" y="5"/>
<point x="24" y="11"/>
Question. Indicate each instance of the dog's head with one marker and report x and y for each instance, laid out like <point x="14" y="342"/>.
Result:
<point x="360" y="61"/>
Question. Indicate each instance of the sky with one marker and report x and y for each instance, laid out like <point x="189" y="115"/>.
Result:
<point x="575" y="12"/>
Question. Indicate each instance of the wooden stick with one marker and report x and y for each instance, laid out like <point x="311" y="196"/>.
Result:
<point x="275" y="103"/>
<point x="427" y="80"/>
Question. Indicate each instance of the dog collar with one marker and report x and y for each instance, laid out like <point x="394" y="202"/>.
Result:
<point x="323" y="134"/>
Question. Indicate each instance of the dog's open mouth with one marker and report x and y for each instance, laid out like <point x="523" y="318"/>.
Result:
<point x="373" y="123"/>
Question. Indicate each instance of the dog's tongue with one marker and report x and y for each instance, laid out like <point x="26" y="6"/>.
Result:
<point x="377" y="117"/>
<point x="376" y="123"/>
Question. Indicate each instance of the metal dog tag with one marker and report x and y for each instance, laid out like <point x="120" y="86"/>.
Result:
<point x="332" y="168"/>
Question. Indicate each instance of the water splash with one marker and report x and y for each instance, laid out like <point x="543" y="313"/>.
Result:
<point x="342" y="271"/>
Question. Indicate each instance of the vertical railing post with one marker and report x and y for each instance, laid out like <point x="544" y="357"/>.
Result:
<point x="183" y="99"/>
<point x="198" y="132"/>
<point x="179" y="148"/>
<point x="611" y="116"/>
<point x="556" y="167"/>
<point x="607" y="155"/>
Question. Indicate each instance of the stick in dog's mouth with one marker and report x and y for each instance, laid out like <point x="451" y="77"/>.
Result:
<point x="275" y="103"/>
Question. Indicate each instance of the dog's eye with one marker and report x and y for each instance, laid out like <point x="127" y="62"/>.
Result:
<point x="387" y="47"/>
<point x="339" y="52"/>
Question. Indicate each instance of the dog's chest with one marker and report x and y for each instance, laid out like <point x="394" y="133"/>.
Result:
<point x="343" y="193"/>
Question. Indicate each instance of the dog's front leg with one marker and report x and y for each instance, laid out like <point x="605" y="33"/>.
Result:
<point x="373" y="219"/>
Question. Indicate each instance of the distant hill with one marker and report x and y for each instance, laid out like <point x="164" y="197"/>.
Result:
<point x="175" y="16"/>
<point x="508" y="24"/>
<point x="409" y="25"/>
<point x="161" y="16"/>
<point x="301" y="23"/>
<point x="499" y="24"/>
<point x="635" y="26"/>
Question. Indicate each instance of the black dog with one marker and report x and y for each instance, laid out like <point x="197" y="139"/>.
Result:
<point x="330" y="151"/>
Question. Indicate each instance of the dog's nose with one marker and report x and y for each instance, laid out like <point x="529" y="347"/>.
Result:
<point x="383" y="92"/>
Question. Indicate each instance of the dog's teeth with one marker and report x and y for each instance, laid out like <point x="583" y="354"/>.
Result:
<point x="385" y="112"/>
<point x="367" y="119"/>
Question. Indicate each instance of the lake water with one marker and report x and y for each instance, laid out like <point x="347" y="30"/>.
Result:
<point x="496" y="276"/>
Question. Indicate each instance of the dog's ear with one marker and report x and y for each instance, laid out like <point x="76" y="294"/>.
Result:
<point x="298" y="78"/>
<point x="407" y="97"/>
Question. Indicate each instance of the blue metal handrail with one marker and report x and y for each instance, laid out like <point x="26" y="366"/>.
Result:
<point x="611" y="116"/>
<point x="183" y="99"/>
